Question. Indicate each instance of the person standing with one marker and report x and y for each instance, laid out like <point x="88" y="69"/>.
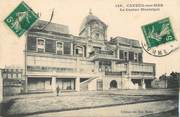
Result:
<point x="57" y="90"/>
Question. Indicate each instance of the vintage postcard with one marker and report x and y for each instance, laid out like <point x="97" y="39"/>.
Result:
<point x="89" y="58"/>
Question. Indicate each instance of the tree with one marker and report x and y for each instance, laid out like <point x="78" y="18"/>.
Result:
<point x="165" y="78"/>
<point x="174" y="80"/>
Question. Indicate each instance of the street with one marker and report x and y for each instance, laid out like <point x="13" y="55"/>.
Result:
<point x="132" y="110"/>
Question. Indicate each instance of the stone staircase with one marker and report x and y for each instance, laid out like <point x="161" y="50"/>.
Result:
<point x="128" y="84"/>
<point x="84" y="84"/>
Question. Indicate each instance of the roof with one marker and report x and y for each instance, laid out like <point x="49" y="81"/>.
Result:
<point x="126" y="41"/>
<point x="88" y="19"/>
<point x="52" y="27"/>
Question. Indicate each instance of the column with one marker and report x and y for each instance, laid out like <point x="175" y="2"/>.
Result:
<point x="96" y="66"/>
<point x="143" y="84"/>
<point x="117" y="54"/>
<point x="87" y="50"/>
<point x="77" y="65"/>
<point x="53" y="83"/>
<point x="113" y="65"/>
<point x="77" y="82"/>
<point x="128" y="69"/>
<point x="26" y="84"/>
<point x="72" y="49"/>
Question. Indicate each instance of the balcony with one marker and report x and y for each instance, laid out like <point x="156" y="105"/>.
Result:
<point x="94" y="55"/>
<point x="133" y="70"/>
<point x="142" y="70"/>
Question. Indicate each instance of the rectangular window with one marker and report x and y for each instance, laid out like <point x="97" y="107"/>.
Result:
<point x="9" y="76"/>
<point x="135" y="57"/>
<point x="59" y="48"/>
<point x="31" y="43"/>
<point x="19" y="75"/>
<point x="105" y="66"/>
<point x="14" y="75"/>
<point x="79" y="51"/>
<point x="41" y="45"/>
<point x="140" y="57"/>
<point x="121" y="54"/>
<point x="50" y="46"/>
<point x="125" y="56"/>
<point x="67" y="48"/>
<point x="131" y="56"/>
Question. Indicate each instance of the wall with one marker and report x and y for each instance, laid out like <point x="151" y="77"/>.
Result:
<point x="63" y="64"/>
<point x="122" y="83"/>
<point x="12" y="90"/>
<point x="159" y="84"/>
<point x="52" y="62"/>
<point x="12" y="87"/>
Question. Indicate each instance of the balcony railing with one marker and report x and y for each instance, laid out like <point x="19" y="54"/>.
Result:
<point x="113" y="73"/>
<point x="102" y="54"/>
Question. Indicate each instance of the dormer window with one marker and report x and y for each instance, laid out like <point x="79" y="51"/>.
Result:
<point x="40" y="45"/>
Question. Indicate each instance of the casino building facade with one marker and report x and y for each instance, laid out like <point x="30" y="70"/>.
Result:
<point x="90" y="61"/>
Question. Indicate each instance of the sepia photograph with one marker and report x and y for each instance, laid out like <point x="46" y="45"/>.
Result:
<point x="89" y="58"/>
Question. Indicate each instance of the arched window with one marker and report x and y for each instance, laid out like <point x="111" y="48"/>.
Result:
<point x="113" y="84"/>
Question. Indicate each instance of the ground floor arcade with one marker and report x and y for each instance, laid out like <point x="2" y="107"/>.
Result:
<point x="50" y="83"/>
<point x="46" y="83"/>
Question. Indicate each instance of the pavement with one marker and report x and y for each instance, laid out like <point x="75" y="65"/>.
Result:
<point x="118" y="92"/>
<point x="131" y="110"/>
<point x="96" y="101"/>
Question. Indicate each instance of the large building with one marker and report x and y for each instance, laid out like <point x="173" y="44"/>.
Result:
<point x="53" y="57"/>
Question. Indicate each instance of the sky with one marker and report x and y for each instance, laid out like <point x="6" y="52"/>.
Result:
<point x="72" y="12"/>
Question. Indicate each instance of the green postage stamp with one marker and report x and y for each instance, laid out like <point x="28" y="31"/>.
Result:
<point x="158" y="32"/>
<point x="21" y="19"/>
